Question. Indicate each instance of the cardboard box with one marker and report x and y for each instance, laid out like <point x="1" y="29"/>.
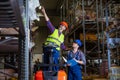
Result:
<point x="88" y="37"/>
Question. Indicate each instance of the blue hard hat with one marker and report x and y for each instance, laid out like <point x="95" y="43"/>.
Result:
<point x="78" y="42"/>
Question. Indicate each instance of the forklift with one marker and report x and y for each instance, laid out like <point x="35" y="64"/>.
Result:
<point x="50" y="74"/>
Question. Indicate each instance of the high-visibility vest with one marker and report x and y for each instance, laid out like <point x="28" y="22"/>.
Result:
<point x="55" y="38"/>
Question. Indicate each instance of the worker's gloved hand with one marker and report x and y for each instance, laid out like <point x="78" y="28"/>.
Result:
<point x="80" y="62"/>
<point x="75" y="60"/>
<point x="43" y="10"/>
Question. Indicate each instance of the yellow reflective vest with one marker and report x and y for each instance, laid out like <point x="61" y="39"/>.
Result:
<point x="55" y="38"/>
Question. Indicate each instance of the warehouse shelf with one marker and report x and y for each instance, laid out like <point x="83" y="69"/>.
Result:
<point x="85" y="24"/>
<point x="13" y="38"/>
<point x="81" y="24"/>
<point x="112" y="31"/>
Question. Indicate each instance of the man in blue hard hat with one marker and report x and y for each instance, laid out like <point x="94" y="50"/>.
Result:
<point x="74" y="72"/>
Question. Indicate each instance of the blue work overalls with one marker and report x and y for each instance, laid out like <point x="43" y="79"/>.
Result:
<point x="55" y="57"/>
<point x="74" y="72"/>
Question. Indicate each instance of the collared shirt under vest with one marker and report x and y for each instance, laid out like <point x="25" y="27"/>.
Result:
<point x="55" y="38"/>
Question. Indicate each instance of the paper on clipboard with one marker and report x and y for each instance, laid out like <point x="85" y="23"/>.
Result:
<point x="64" y="59"/>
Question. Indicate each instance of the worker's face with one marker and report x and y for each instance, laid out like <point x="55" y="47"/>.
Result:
<point x="62" y="28"/>
<point x="75" y="45"/>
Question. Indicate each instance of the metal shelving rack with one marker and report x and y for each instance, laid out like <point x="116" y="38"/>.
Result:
<point x="98" y="47"/>
<point x="83" y="26"/>
<point x="113" y="30"/>
<point x="11" y="16"/>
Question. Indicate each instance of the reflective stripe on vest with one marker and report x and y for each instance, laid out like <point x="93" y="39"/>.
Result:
<point x="55" y="38"/>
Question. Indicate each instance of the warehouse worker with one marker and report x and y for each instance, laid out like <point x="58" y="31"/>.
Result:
<point x="74" y="72"/>
<point x="56" y="37"/>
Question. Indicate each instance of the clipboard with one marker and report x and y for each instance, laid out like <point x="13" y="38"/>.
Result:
<point x="72" y="62"/>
